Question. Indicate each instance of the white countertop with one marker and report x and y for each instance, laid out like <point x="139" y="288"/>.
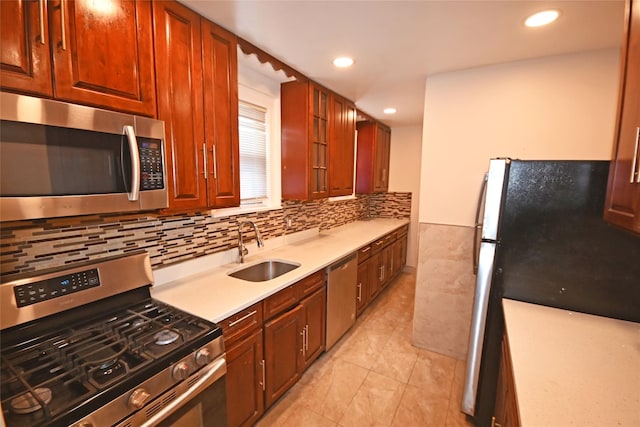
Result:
<point x="573" y="369"/>
<point x="213" y="295"/>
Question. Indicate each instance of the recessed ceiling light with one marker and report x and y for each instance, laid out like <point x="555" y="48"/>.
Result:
<point x="343" y="62"/>
<point x="389" y="110"/>
<point x="542" y="18"/>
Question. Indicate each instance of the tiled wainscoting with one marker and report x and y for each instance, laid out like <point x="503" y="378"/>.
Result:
<point x="445" y="286"/>
<point x="40" y="244"/>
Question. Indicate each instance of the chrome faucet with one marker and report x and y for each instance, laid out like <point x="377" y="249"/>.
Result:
<point x="242" y="250"/>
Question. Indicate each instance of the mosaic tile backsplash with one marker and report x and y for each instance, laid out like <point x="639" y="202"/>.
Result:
<point x="40" y="244"/>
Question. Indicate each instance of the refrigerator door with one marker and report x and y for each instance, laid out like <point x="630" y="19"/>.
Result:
<point x="493" y="200"/>
<point x="478" y="323"/>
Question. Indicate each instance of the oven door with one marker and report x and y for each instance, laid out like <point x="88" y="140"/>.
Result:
<point x="199" y="401"/>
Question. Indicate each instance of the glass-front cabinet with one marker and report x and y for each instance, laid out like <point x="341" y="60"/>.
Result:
<point x="319" y="141"/>
<point x="305" y="109"/>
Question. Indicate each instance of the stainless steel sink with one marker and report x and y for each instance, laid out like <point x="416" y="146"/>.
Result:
<point x="264" y="270"/>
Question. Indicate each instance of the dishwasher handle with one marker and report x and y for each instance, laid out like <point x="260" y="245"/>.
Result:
<point x="343" y="263"/>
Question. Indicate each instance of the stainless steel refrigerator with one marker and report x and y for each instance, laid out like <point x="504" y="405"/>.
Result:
<point x="540" y="238"/>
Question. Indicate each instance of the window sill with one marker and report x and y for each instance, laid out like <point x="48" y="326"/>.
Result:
<point x="341" y="198"/>
<point x="218" y="213"/>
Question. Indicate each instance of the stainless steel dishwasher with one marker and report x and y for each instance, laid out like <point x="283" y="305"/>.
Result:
<point x="341" y="298"/>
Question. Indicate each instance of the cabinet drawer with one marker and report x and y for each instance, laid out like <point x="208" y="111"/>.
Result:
<point x="364" y="253"/>
<point x="279" y="302"/>
<point x="377" y="246"/>
<point x="309" y="284"/>
<point x="402" y="231"/>
<point x="389" y="238"/>
<point x="241" y="324"/>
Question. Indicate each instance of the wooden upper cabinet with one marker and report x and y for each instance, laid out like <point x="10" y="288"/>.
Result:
<point x="101" y="56"/>
<point x="372" y="167"/>
<point x="342" y="146"/>
<point x="220" y="60"/>
<point x="178" y="48"/>
<point x="305" y="139"/>
<point x="622" y="206"/>
<point x="24" y="58"/>
<point x="196" y="65"/>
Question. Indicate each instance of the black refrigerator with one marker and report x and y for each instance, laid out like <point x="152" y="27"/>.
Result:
<point x="540" y="238"/>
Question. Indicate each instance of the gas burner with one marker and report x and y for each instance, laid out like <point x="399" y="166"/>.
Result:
<point x="26" y="403"/>
<point x="104" y="375"/>
<point x="165" y="337"/>
<point x="108" y="364"/>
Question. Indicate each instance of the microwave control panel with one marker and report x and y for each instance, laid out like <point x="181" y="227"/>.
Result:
<point x="60" y="286"/>
<point x="151" y="172"/>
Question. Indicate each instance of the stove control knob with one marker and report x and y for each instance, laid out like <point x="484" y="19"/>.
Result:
<point x="138" y="398"/>
<point x="180" y="371"/>
<point x="203" y="356"/>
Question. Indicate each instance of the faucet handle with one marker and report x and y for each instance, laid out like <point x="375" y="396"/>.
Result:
<point x="244" y="250"/>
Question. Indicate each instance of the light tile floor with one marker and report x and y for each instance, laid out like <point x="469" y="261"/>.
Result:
<point x="374" y="377"/>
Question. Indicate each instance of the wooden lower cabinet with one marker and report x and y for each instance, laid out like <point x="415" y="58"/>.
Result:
<point x="506" y="407"/>
<point x="315" y="320"/>
<point x="245" y="381"/>
<point x="362" y="287"/>
<point x="283" y="339"/>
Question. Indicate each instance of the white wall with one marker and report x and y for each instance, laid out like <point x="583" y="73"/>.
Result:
<point x="404" y="176"/>
<point x="560" y="107"/>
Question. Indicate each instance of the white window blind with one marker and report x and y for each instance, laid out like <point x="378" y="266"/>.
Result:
<point x="253" y="152"/>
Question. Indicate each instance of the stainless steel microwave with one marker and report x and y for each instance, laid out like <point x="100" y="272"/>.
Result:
<point x="59" y="159"/>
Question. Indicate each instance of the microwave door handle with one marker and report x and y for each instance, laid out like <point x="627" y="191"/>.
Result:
<point x="477" y="228"/>
<point x="134" y="195"/>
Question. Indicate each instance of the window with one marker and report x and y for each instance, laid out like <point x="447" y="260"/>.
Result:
<point x="252" y="120"/>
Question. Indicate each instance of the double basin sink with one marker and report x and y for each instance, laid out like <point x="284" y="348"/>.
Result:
<point x="264" y="270"/>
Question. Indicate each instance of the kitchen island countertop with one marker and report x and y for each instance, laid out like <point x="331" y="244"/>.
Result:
<point x="214" y="295"/>
<point x="573" y="369"/>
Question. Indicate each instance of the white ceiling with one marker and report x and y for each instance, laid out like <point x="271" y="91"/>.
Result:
<point x="397" y="44"/>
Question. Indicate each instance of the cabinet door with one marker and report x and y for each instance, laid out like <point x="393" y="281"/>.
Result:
<point x="103" y="54"/>
<point x="315" y="314"/>
<point x="623" y="194"/>
<point x="245" y="386"/>
<point x="283" y="353"/>
<point x="362" y="289"/>
<point x="341" y="147"/>
<point x="375" y="275"/>
<point x="383" y="148"/>
<point x="221" y="115"/>
<point x="25" y="65"/>
<point x="180" y="104"/>
<point x="318" y="143"/>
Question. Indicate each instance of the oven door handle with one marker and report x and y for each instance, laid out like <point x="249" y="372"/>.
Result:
<point x="209" y="375"/>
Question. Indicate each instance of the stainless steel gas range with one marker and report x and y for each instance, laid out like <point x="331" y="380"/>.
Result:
<point x="88" y="346"/>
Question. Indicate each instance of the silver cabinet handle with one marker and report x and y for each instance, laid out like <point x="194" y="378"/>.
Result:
<point x="215" y="163"/>
<point x="41" y="13"/>
<point x="365" y="250"/>
<point x="381" y="276"/>
<point x="210" y="374"/>
<point x="264" y="375"/>
<point x="134" y="195"/>
<point x="63" y="25"/>
<point x="306" y="338"/>
<point x="635" y="177"/>
<point x="359" y="292"/>
<point x="246" y="316"/>
<point x="205" y="164"/>
<point x="302" y="349"/>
